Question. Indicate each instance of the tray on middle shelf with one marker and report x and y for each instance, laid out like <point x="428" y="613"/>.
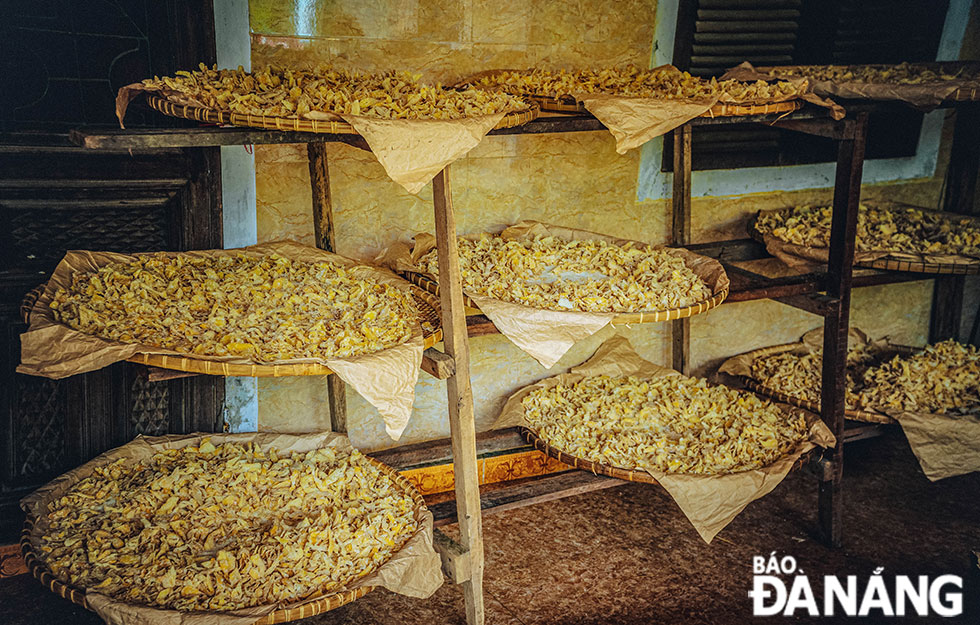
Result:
<point x="429" y="315"/>
<point x="431" y="286"/>
<point x="942" y="224"/>
<point x="82" y="349"/>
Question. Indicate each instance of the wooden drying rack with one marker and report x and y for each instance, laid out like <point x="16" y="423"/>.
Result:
<point x="463" y="561"/>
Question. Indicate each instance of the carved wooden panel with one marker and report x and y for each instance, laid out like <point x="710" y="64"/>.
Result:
<point x="150" y="410"/>
<point x="55" y="197"/>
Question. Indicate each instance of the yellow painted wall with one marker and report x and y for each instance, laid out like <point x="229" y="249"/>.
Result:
<point x="573" y="179"/>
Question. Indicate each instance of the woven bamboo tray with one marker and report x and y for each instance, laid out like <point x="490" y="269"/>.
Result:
<point x="596" y="468"/>
<point x="310" y="608"/>
<point x="336" y="127"/>
<point x="854" y="414"/>
<point x="895" y="264"/>
<point x="963" y="94"/>
<point x="425" y="282"/>
<point x="571" y="105"/>
<point x="429" y="315"/>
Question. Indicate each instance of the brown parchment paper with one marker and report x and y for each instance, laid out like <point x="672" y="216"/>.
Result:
<point x="804" y="256"/>
<point x="634" y="121"/>
<point x="412" y="151"/>
<point x="386" y="378"/>
<point x="709" y="502"/>
<point x="545" y="335"/>
<point x="945" y="445"/>
<point x="923" y="96"/>
<point x="414" y="570"/>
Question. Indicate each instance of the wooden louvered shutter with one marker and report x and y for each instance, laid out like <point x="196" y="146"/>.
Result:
<point x="713" y="35"/>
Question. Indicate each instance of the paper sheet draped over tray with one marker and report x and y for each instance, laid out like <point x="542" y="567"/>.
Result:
<point x="544" y="334"/>
<point x="412" y="151"/>
<point x="414" y="570"/>
<point x="945" y="445"/>
<point x="386" y="378"/>
<point x="709" y="502"/>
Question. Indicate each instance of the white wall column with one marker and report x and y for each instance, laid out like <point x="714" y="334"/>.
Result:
<point x="234" y="47"/>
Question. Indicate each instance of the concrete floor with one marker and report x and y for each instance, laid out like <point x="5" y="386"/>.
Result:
<point x="627" y="555"/>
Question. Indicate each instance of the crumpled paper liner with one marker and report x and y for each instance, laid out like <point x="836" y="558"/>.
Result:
<point x="806" y="257"/>
<point x="545" y="335"/>
<point x="414" y="570"/>
<point x="710" y="502"/>
<point x="923" y="96"/>
<point x="386" y="378"/>
<point x="412" y="151"/>
<point x="945" y="445"/>
<point x="634" y="121"/>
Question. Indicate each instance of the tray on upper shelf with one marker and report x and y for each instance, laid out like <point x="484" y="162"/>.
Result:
<point x="932" y="92"/>
<point x="895" y="260"/>
<point x="295" y="124"/>
<point x="429" y="317"/>
<point x="569" y="104"/>
<point x="431" y="286"/>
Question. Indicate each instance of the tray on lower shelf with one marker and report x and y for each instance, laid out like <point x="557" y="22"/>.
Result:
<point x="429" y="316"/>
<point x="431" y="286"/>
<point x="77" y="596"/>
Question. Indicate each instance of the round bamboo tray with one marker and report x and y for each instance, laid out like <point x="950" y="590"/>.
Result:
<point x="307" y="609"/>
<point x="722" y="109"/>
<point x="888" y="263"/>
<point x="429" y="316"/>
<point x="854" y="414"/>
<point x="425" y="282"/>
<point x="336" y="127"/>
<point x="596" y="468"/>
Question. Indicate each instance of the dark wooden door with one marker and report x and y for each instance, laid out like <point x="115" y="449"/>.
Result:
<point x="62" y="62"/>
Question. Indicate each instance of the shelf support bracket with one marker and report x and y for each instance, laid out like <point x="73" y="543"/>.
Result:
<point x="455" y="558"/>
<point x="462" y="426"/>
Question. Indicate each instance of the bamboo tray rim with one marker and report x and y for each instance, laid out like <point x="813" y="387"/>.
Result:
<point x="426" y="282"/>
<point x="311" y="607"/>
<point x="216" y="116"/>
<point x="970" y="265"/>
<point x="568" y="104"/>
<point x="854" y="414"/>
<point x="628" y="475"/>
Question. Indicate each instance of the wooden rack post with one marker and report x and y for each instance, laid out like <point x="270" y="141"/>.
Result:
<point x="843" y="229"/>
<point x="323" y="231"/>
<point x="834" y="308"/>
<point x="462" y="426"/>
<point x="680" y="329"/>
